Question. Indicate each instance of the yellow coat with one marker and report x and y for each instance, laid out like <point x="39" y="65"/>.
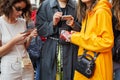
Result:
<point x="98" y="37"/>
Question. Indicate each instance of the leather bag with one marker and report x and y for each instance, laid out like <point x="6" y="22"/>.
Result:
<point x="86" y="64"/>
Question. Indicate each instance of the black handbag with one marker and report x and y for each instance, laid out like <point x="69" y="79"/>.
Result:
<point x="86" y="64"/>
<point x="34" y="49"/>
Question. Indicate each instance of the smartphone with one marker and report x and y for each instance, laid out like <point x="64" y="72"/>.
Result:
<point x="66" y="17"/>
<point x="28" y="30"/>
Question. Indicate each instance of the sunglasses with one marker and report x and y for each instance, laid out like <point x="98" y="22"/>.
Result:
<point x="19" y="9"/>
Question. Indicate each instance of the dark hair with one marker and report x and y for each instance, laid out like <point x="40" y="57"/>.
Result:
<point x="81" y="9"/>
<point x="116" y="12"/>
<point x="6" y="7"/>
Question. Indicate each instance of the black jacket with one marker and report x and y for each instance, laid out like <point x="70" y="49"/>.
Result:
<point x="45" y="28"/>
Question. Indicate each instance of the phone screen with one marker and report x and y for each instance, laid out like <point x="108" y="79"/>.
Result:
<point x="28" y="30"/>
<point x="66" y="17"/>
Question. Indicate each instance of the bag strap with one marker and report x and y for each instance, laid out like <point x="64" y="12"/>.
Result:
<point x="96" y="55"/>
<point x="93" y="58"/>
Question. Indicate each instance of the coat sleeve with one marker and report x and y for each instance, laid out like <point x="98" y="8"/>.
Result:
<point x="44" y="26"/>
<point x="77" y="26"/>
<point x="97" y="41"/>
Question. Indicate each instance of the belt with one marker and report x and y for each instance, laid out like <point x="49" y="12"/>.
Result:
<point x="53" y="38"/>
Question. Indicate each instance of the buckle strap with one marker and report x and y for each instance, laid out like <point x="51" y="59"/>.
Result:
<point x="53" y="38"/>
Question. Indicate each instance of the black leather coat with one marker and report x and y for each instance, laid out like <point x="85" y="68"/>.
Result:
<point x="45" y="28"/>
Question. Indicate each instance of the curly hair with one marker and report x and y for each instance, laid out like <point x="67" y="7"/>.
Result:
<point x="6" y="7"/>
<point x="116" y="12"/>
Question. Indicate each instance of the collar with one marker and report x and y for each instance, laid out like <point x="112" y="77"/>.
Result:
<point x="54" y="3"/>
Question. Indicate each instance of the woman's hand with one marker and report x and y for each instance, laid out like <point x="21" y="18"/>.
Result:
<point x="65" y="35"/>
<point x="20" y="38"/>
<point x="70" y="22"/>
<point x="56" y="18"/>
<point x="33" y="33"/>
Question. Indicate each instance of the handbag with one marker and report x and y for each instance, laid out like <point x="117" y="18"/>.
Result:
<point x="34" y="49"/>
<point x="86" y="64"/>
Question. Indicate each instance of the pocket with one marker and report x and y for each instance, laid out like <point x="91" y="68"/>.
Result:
<point x="16" y="66"/>
<point x="10" y="65"/>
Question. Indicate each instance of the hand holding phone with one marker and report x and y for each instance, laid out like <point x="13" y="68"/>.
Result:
<point x="28" y="30"/>
<point x="65" y="35"/>
<point x="66" y="17"/>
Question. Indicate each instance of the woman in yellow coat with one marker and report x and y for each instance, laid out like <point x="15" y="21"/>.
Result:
<point x="96" y="35"/>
